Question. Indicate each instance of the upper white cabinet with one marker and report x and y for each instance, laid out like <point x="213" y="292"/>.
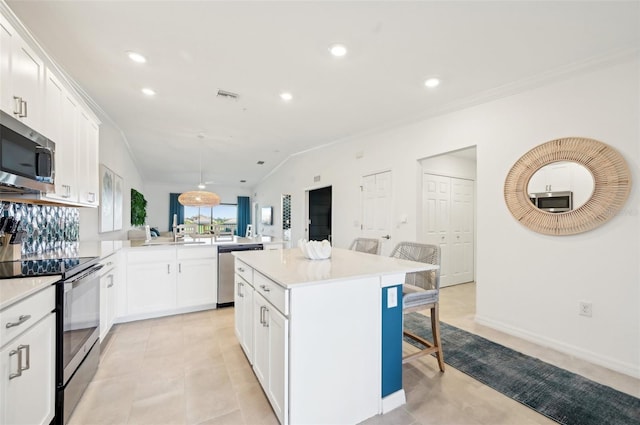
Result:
<point x="22" y="73"/>
<point x="87" y="178"/>
<point x="33" y="92"/>
<point x="62" y="111"/>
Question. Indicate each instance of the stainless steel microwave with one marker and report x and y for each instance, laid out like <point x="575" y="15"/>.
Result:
<point x="554" y="202"/>
<point x="27" y="163"/>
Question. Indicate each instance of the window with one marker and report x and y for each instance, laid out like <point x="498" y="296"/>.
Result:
<point x="223" y="218"/>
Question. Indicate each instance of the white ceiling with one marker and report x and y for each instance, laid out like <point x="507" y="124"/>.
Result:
<point x="259" y="49"/>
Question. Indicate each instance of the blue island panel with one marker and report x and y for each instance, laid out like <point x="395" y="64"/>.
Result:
<point x="391" y="339"/>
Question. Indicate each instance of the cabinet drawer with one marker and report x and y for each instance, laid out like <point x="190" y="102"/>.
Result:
<point x="274" y="293"/>
<point x="108" y="263"/>
<point x="245" y="271"/>
<point x="151" y="254"/>
<point x="197" y="252"/>
<point x="37" y="306"/>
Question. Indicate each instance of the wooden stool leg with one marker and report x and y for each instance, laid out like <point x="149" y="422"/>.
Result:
<point x="435" y="327"/>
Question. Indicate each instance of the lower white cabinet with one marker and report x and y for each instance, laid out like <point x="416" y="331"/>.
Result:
<point x="169" y="280"/>
<point x="108" y="294"/>
<point x="196" y="282"/>
<point x="243" y="310"/>
<point x="271" y="337"/>
<point x="27" y="369"/>
<point x="151" y="287"/>
<point x="263" y="332"/>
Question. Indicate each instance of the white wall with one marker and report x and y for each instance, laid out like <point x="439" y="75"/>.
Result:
<point x="115" y="155"/>
<point x="528" y="284"/>
<point x="157" y="196"/>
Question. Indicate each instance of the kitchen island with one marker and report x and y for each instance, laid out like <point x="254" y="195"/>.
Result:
<point x="324" y="337"/>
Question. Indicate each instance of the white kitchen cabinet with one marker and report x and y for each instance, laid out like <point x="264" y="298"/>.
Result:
<point x="195" y="282"/>
<point x="151" y="287"/>
<point x="62" y="127"/>
<point x="243" y="311"/>
<point x="87" y="160"/>
<point x="22" y="79"/>
<point x="169" y="280"/>
<point x="27" y="362"/>
<point x="270" y="352"/>
<point x="108" y="294"/>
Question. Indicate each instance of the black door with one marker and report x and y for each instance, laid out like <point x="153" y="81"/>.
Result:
<point x="320" y="214"/>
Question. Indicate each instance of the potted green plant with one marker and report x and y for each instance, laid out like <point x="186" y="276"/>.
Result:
<point x="138" y="208"/>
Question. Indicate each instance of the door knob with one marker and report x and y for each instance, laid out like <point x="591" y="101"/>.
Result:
<point x="387" y="237"/>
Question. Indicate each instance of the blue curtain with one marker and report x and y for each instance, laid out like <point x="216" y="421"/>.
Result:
<point x="175" y="207"/>
<point x="244" y="214"/>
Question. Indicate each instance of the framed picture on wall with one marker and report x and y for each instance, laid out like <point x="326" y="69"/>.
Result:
<point x="111" y="190"/>
<point x="118" y="190"/>
<point x="106" y="199"/>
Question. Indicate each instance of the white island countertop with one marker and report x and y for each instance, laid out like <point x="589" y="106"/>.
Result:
<point x="289" y="268"/>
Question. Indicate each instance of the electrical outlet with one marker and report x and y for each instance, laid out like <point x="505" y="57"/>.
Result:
<point x="586" y="309"/>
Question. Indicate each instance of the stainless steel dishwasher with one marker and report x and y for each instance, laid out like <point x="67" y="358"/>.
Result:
<point x="226" y="271"/>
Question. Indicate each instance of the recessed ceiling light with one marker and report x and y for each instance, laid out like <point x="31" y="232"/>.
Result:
<point x="286" y="96"/>
<point x="136" y="57"/>
<point x="148" y="91"/>
<point x="338" y="50"/>
<point x="432" y="82"/>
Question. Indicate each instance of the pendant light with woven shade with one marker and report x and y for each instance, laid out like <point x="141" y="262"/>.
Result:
<point x="199" y="198"/>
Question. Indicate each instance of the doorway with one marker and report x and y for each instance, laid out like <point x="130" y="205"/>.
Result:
<point x="319" y="214"/>
<point x="377" y="206"/>
<point x="448" y="213"/>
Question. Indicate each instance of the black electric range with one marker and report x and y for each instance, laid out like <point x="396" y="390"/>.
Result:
<point x="66" y="267"/>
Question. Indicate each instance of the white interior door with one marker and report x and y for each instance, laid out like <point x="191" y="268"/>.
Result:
<point x="461" y="230"/>
<point x="436" y="206"/>
<point x="448" y="215"/>
<point x="376" y="209"/>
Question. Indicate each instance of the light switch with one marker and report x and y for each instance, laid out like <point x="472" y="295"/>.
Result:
<point x="392" y="297"/>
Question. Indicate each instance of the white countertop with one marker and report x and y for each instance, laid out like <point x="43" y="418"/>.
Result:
<point x="206" y="241"/>
<point x="14" y="290"/>
<point x="289" y="268"/>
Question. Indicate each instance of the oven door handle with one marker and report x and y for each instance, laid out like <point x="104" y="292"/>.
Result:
<point x="76" y="281"/>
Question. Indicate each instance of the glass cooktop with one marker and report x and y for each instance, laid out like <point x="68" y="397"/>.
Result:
<point x="48" y="267"/>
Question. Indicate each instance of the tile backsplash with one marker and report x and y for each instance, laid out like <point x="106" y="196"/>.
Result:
<point x="47" y="227"/>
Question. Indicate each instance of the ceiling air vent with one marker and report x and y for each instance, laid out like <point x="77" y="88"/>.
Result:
<point x="227" y="94"/>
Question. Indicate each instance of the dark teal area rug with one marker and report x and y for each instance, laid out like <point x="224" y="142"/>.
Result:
<point x="563" y="396"/>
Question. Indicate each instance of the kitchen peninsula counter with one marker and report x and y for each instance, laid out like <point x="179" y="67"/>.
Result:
<point x="324" y="337"/>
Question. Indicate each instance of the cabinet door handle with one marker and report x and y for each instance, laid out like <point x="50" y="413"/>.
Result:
<point x="91" y="197"/>
<point x="240" y="269"/>
<point x="19" y="370"/>
<point x="264" y="288"/>
<point x="110" y="281"/>
<point x="23" y="112"/>
<point x="168" y="268"/>
<point x="17" y="105"/>
<point x="240" y="294"/>
<point x="23" y="318"/>
<point x="266" y="322"/>
<point x="179" y="267"/>
<point x="28" y="362"/>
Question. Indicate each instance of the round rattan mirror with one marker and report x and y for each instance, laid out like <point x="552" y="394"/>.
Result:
<point x="611" y="177"/>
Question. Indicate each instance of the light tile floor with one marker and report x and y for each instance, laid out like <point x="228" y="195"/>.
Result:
<point x="190" y="369"/>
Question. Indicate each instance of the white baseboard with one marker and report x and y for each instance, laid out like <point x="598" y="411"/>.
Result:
<point x="163" y="313"/>
<point x="393" y="401"/>
<point x="589" y="356"/>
